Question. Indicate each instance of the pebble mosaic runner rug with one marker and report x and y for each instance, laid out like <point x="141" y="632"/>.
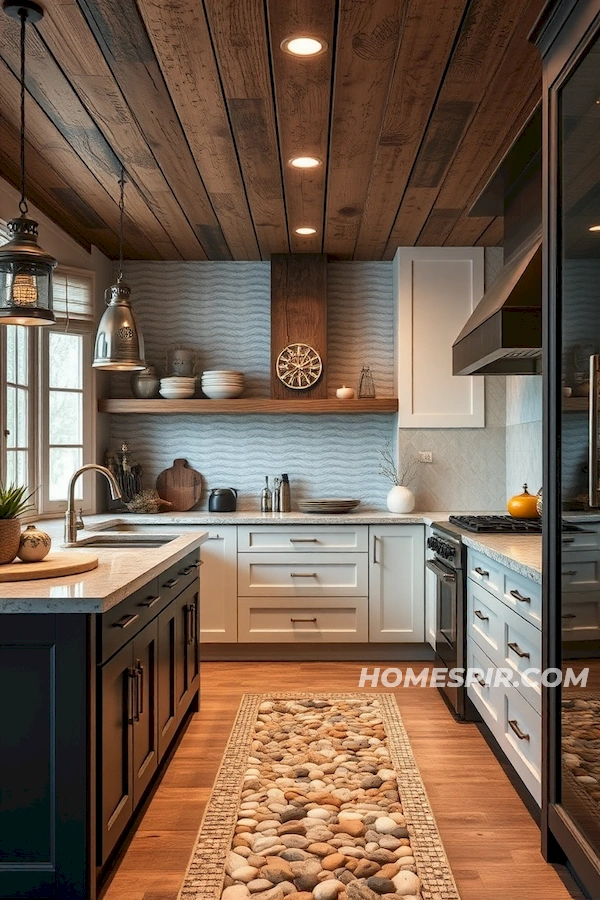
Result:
<point x="318" y="798"/>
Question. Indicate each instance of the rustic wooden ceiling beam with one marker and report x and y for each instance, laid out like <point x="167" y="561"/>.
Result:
<point x="239" y="35"/>
<point x="418" y="74"/>
<point x="180" y="37"/>
<point x="302" y="100"/>
<point x="484" y="35"/>
<point x="126" y="47"/>
<point x="368" y="37"/>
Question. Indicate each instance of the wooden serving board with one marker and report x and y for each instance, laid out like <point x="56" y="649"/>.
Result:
<point x="54" y="565"/>
<point x="180" y="485"/>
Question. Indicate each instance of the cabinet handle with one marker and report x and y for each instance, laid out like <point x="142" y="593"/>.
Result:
<point x="150" y="602"/>
<point x="570" y="572"/>
<point x="482" y="572"/>
<point x="171" y="582"/>
<point x="214" y="537"/>
<point x="130" y="699"/>
<point x="481" y="616"/>
<point x="520" y="597"/>
<point x="139" y="672"/>
<point x="304" y="620"/>
<point x="516" y="649"/>
<point x="515" y="727"/>
<point x="568" y="540"/>
<point x="126" y="621"/>
<point x="569" y="616"/>
<point x="303" y="574"/>
<point x="187" y="570"/>
<point x="190" y="608"/>
<point x="304" y="540"/>
<point x="481" y="682"/>
<point x="375" y="540"/>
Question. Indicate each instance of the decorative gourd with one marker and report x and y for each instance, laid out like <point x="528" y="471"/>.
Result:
<point x="523" y="506"/>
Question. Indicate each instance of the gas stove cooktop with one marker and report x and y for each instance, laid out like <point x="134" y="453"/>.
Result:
<point x="497" y="524"/>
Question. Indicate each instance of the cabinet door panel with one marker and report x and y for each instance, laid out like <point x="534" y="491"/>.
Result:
<point x="396" y="590"/>
<point x="218" y="622"/>
<point x="167" y="676"/>
<point x="145" y="736"/>
<point x="115" y="709"/>
<point x="186" y="648"/>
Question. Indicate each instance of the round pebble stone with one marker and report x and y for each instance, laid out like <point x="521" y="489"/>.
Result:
<point x="292" y="812"/>
<point x="234" y="861"/>
<point x="275" y="893"/>
<point x="327" y="890"/>
<point x="319" y="848"/>
<point x="366" y="868"/>
<point x="334" y="861"/>
<point x="317" y="813"/>
<point x="381" y="885"/>
<point x="387" y="774"/>
<point x="406" y="883"/>
<point x="293" y="855"/>
<point x="235" y="892"/>
<point x="245" y="873"/>
<point x="385" y="825"/>
<point x="259" y="884"/>
<point x="389" y="842"/>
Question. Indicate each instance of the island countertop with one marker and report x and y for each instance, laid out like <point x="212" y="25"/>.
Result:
<point x="120" y="572"/>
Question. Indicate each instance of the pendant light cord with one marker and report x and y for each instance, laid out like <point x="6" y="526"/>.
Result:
<point x="121" y="216"/>
<point x="23" y="202"/>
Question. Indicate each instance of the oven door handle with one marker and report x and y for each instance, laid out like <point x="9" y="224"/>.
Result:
<point x="441" y="573"/>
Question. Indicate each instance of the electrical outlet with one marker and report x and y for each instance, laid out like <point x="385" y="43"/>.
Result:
<point x="425" y="456"/>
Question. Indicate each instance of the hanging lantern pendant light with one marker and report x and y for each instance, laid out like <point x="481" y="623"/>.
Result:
<point x="119" y="341"/>
<point x="25" y="269"/>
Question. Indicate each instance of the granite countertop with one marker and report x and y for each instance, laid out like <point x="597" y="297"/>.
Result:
<point x="362" y="516"/>
<point x="120" y="571"/>
<point x="520" y="552"/>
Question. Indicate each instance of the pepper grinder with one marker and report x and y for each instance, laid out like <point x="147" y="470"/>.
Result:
<point x="285" y="503"/>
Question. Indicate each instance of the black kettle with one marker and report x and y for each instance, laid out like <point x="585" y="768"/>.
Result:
<point x="222" y="500"/>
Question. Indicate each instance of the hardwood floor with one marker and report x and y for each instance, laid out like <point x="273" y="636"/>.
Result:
<point x="491" y="841"/>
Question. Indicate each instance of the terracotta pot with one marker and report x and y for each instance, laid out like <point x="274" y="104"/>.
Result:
<point x="10" y="535"/>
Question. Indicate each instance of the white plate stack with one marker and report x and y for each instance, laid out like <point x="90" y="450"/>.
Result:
<point x="177" y="387"/>
<point x="222" y="384"/>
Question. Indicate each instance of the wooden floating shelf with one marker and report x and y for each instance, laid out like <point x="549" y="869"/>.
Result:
<point x="575" y="404"/>
<point x="262" y="406"/>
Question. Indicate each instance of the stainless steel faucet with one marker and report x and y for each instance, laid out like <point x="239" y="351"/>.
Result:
<point x="72" y="523"/>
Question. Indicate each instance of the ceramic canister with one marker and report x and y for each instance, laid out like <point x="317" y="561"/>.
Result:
<point x="34" y="544"/>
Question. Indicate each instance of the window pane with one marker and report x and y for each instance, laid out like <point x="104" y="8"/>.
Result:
<point x="63" y="462"/>
<point x="65" y="360"/>
<point x="65" y="417"/>
<point x="11" y="353"/>
<point x="22" y="354"/>
<point x="11" y="416"/>
<point x="22" y="422"/>
<point x="16" y="467"/>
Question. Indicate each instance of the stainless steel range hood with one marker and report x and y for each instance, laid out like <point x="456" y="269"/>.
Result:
<point x="503" y="336"/>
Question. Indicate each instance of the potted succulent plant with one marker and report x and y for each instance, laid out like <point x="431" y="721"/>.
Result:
<point x="14" y="501"/>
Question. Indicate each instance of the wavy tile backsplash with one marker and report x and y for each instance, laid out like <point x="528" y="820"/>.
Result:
<point x="223" y="309"/>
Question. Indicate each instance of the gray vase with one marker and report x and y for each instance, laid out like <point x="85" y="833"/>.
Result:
<point x="145" y="383"/>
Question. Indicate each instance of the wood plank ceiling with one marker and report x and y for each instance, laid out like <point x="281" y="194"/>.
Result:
<point x="410" y="109"/>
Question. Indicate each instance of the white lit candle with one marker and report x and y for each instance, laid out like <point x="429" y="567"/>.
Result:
<point x="345" y="393"/>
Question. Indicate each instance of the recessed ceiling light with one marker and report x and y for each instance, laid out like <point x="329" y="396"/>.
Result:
<point x="306" y="230"/>
<point x="595" y="228"/>
<point x="304" y="46"/>
<point x="305" y="162"/>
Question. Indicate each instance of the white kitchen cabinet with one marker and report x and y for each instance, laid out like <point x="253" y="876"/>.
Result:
<point x="396" y="583"/>
<point x="218" y="610"/>
<point x="430" y="596"/>
<point x="436" y="289"/>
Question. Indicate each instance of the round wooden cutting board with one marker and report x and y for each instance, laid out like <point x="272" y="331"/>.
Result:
<point x="180" y="485"/>
<point x="54" y="565"/>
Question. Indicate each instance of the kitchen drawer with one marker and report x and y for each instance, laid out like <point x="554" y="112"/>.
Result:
<point x="580" y="617"/>
<point x="303" y="538"/>
<point x="285" y="620"/>
<point x="484" y="620"/>
<point x="485" y="697"/>
<point x="119" y="624"/>
<point x="523" y="595"/>
<point x="521" y="650"/>
<point x="180" y="575"/>
<point x="580" y="540"/>
<point x="521" y="739"/>
<point x="581" y="572"/>
<point x="485" y="572"/>
<point x="306" y="574"/>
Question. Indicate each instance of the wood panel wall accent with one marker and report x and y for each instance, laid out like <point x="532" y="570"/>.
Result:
<point x="411" y="107"/>
<point x="298" y="313"/>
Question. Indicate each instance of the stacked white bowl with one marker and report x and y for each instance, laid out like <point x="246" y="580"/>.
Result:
<point x="177" y="387"/>
<point x="222" y="384"/>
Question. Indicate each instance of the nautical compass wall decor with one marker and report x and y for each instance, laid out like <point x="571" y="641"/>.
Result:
<point x="299" y="366"/>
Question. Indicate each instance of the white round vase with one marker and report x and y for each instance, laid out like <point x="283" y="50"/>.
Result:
<point x="400" y="499"/>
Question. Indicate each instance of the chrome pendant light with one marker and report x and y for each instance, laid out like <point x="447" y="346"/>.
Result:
<point x="119" y="341"/>
<point x="25" y="269"/>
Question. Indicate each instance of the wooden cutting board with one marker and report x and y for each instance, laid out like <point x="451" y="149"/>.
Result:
<point x="54" y="565"/>
<point x="180" y="485"/>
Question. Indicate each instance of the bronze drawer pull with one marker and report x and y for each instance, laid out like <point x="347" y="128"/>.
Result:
<point x="126" y="621"/>
<point x="481" y="616"/>
<point x="304" y="620"/>
<point x="515" y="727"/>
<point x="520" y="597"/>
<point x="131" y="683"/>
<point x="482" y="572"/>
<point x="188" y="569"/>
<point x="139" y="674"/>
<point x="568" y="540"/>
<point x="569" y="616"/>
<point x="304" y="540"/>
<point x="570" y="572"/>
<point x="149" y="602"/>
<point x="516" y="649"/>
<point x="303" y="574"/>
<point x="171" y="582"/>
<point x="481" y="681"/>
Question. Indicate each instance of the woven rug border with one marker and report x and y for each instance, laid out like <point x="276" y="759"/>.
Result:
<point x="205" y="872"/>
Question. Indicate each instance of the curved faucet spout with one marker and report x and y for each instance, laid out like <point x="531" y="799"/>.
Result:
<point x="70" y="515"/>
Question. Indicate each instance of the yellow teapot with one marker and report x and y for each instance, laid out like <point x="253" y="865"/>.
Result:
<point x="523" y="506"/>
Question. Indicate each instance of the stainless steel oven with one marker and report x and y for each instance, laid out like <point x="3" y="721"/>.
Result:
<point x="447" y="564"/>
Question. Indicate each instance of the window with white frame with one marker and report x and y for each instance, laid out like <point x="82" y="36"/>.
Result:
<point x="46" y="400"/>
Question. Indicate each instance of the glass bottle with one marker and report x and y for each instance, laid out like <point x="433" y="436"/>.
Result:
<point x="366" y="387"/>
<point x="266" y="499"/>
